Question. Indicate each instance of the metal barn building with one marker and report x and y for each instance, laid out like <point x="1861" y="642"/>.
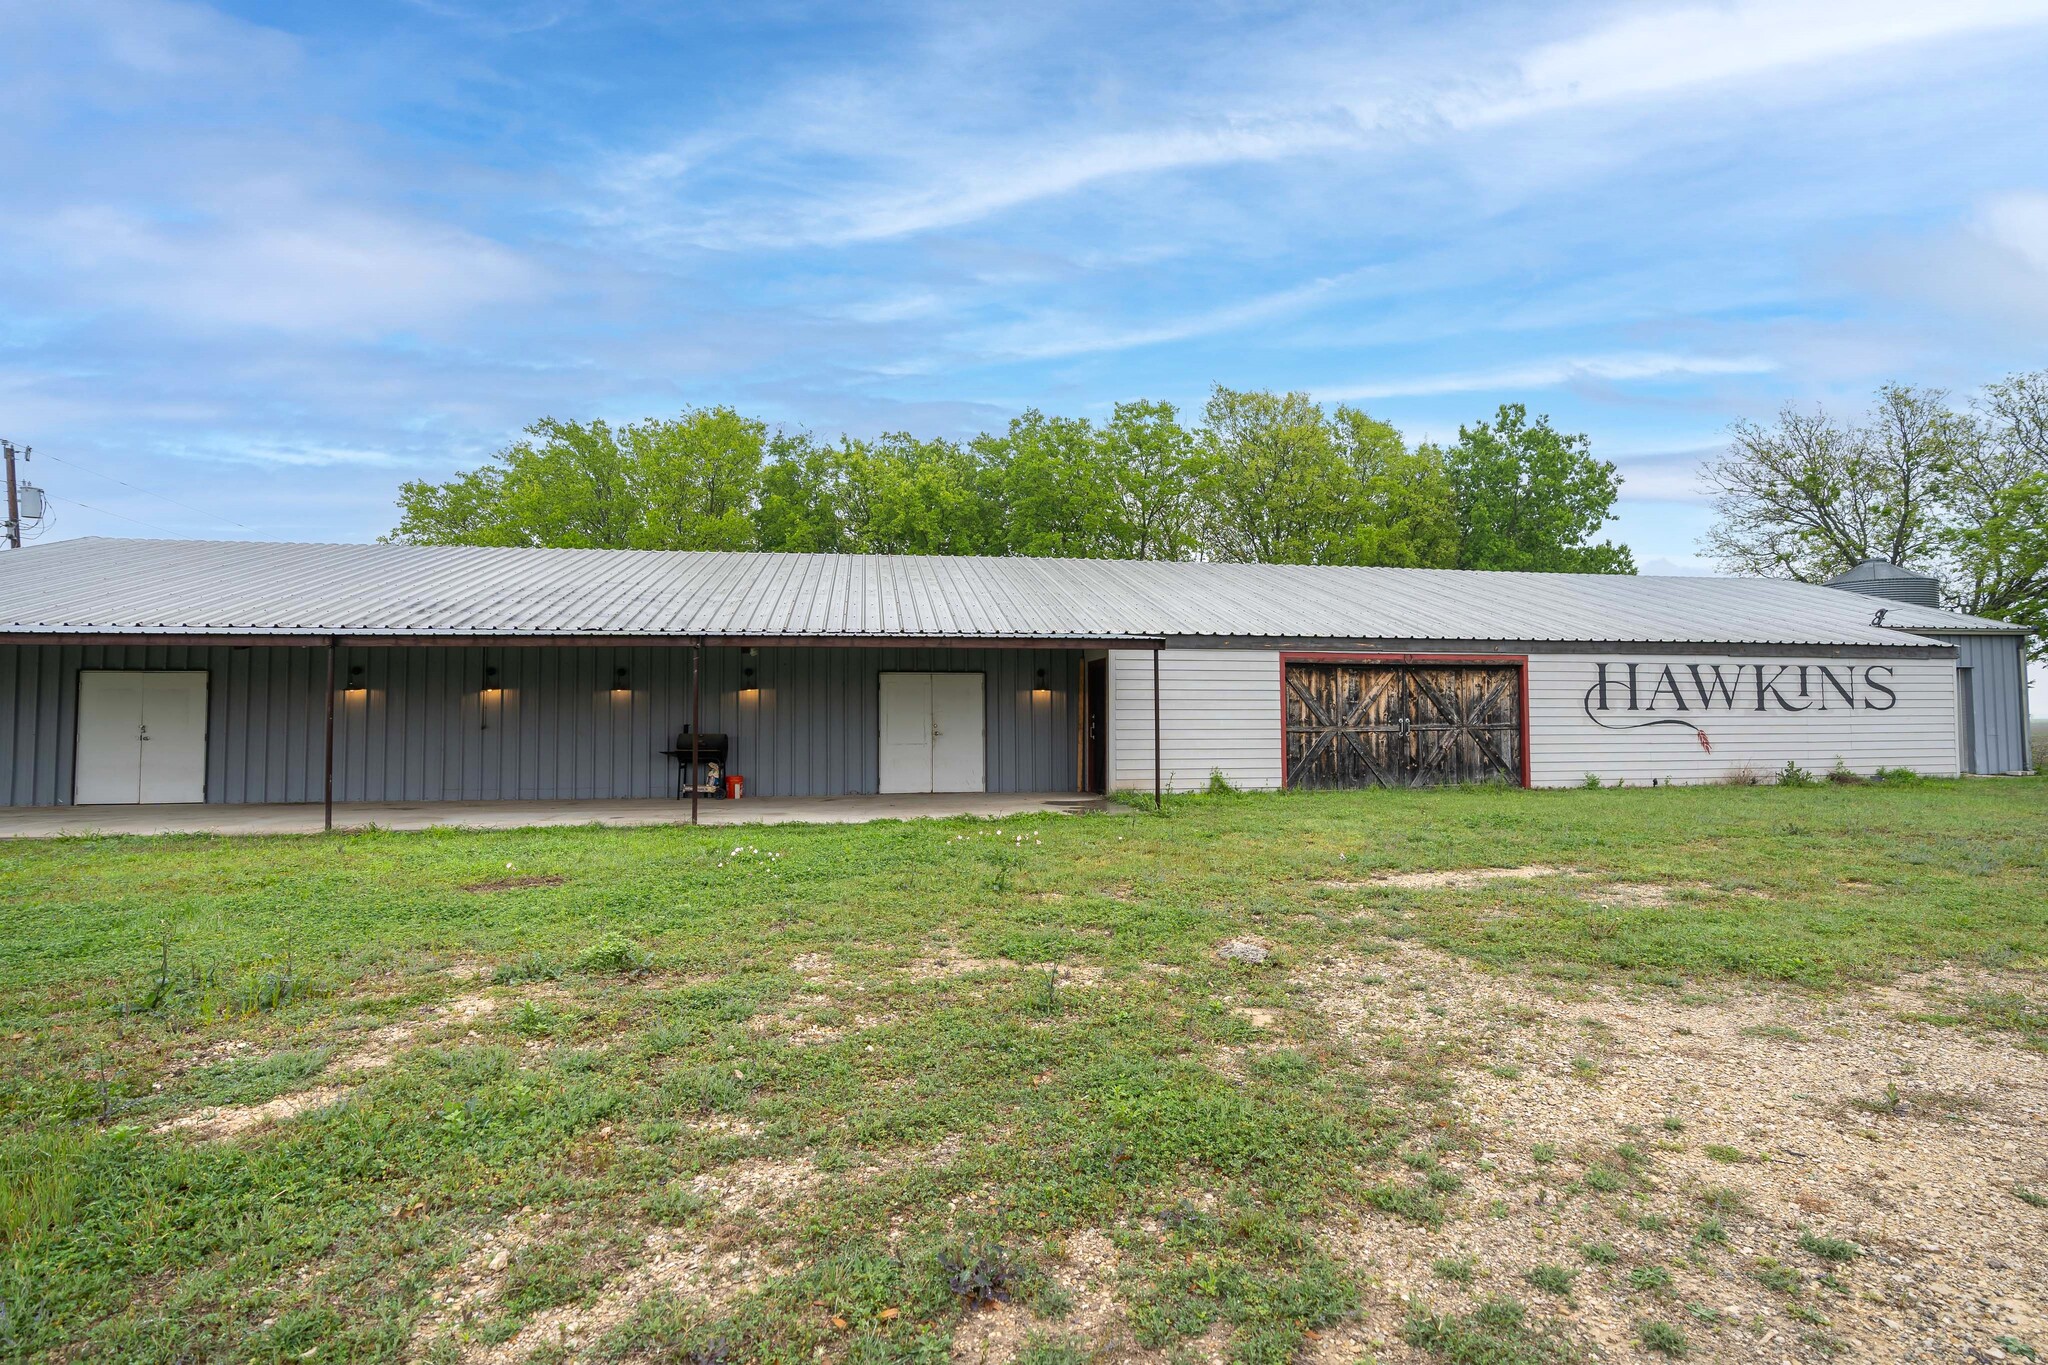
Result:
<point x="179" y="671"/>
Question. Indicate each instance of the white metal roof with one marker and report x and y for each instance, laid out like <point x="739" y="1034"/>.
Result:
<point x="174" y="587"/>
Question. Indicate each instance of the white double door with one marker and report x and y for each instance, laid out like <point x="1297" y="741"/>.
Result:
<point x="141" y="737"/>
<point x="934" y="732"/>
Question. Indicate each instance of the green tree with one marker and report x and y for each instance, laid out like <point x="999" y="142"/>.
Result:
<point x="803" y="489"/>
<point x="1403" y="513"/>
<point x="1959" y="492"/>
<point x="1050" y="490"/>
<point x="905" y="496"/>
<point x="1992" y="552"/>
<point x="1811" y="496"/>
<point x="1272" y="484"/>
<point x="1530" y="498"/>
<point x="697" y="476"/>
<point x="1151" y="460"/>
<point x="568" y="484"/>
<point x="466" y="510"/>
<point x="682" y="483"/>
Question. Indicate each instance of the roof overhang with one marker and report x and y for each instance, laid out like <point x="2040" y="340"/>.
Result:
<point x="354" y="640"/>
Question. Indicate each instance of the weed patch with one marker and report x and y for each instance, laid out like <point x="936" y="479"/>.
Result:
<point x="1496" y="1332"/>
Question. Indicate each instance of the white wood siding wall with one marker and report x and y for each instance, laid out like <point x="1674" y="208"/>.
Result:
<point x="1919" y="732"/>
<point x="1220" y="713"/>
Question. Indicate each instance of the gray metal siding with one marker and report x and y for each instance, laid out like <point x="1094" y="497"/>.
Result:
<point x="1999" y="706"/>
<point x="420" y="729"/>
<point x="1919" y="592"/>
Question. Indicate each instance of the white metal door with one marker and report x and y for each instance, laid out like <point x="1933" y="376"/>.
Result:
<point x="109" y="757"/>
<point x="173" y="737"/>
<point x="906" y="732"/>
<point x="959" y="733"/>
<point x="141" y="737"/>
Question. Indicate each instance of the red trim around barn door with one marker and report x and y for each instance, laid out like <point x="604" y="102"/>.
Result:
<point x="1520" y="662"/>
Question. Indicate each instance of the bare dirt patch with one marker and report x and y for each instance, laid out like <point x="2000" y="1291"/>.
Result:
<point x="723" y="1125"/>
<point x="382" y="1046"/>
<point x="704" y="1271"/>
<point x="758" y="1184"/>
<point x="996" y="1335"/>
<point x="811" y="964"/>
<point x="945" y="964"/>
<point x="1453" y="880"/>
<point x="231" y="1121"/>
<point x="794" y="1022"/>
<point x="1628" y="895"/>
<point x="1947" y="990"/>
<point x="378" y="1050"/>
<point x="465" y="1292"/>
<point x="212" y="1054"/>
<point x="515" y="883"/>
<point x="1656" y="895"/>
<point x="1768" y="1094"/>
<point x="676" y="1264"/>
<point x="1236" y="1059"/>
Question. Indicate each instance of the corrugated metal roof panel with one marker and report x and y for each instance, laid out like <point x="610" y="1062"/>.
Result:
<point x="229" y="587"/>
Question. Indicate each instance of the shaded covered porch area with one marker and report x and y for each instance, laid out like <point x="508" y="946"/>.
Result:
<point x="409" y="731"/>
<point x="48" y="822"/>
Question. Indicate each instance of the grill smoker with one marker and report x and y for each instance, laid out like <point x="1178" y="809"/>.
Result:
<point x="711" y="753"/>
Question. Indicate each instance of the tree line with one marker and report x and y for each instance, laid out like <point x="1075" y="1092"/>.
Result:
<point x="1263" y="477"/>
<point x="1958" y="489"/>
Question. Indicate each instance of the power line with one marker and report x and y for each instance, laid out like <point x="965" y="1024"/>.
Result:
<point x="144" y="491"/>
<point x="105" y="513"/>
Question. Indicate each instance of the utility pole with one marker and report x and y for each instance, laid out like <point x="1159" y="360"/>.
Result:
<point x="13" y="498"/>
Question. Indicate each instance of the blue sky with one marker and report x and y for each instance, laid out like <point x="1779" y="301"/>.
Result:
<point x="268" y="260"/>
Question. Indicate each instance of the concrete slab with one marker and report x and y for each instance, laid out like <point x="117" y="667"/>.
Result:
<point x="44" y="822"/>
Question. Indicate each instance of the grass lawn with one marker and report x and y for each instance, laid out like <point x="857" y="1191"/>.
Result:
<point x="985" y="1090"/>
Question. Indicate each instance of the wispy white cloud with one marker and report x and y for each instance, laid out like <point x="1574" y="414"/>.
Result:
<point x="1665" y="566"/>
<point x="1992" y="265"/>
<point x="1007" y="182"/>
<point x="300" y="265"/>
<point x="293" y="455"/>
<point x="2018" y="224"/>
<point x="1653" y="53"/>
<point x="1049" y="337"/>
<point x="1552" y="373"/>
<point x="1665" y="476"/>
<point x="919" y="177"/>
<point x="126" y="52"/>
<point x="500" y="20"/>
<point x="943" y="188"/>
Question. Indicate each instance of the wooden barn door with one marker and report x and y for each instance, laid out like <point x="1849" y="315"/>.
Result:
<point x="1373" y="724"/>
